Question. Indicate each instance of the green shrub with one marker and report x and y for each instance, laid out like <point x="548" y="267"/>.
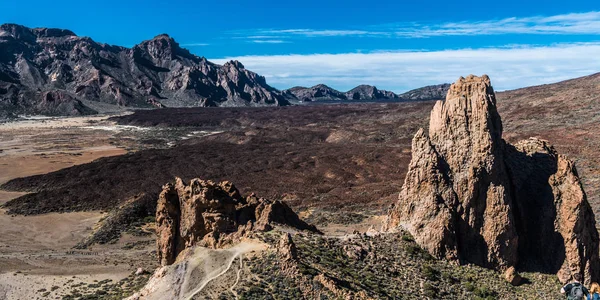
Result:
<point x="430" y="273"/>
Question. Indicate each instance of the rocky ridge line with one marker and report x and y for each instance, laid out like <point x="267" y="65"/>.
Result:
<point x="365" y="92"/>
<point x="55" y="72"/>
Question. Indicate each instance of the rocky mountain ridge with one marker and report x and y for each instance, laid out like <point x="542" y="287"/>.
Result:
<point x="321" y="92"/>
<point x="55" y="72"/>
<point x="471" y="197"/>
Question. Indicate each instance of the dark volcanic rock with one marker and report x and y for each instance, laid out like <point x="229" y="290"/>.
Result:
<point x="470" y="196"/>
<point x="430" y="92"/>
<point x="210" y="214"/>
<point x="35" y="63"/>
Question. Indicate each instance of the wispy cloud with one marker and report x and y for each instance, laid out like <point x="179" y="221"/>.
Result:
<point x="268" y="41"/>
<point x="321" y="33"/>
<point x="509" y="67"/>
<point x="194" y="44"/>
<point x="574" y="23"/>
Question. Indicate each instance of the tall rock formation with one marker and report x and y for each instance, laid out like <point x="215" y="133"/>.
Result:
<point x="210" y="214"/>
<point x="54" y="71"/>
<point x="470" y="197"/>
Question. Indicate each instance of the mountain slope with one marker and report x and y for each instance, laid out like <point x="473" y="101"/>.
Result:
<point x="369" y="92"/>
<point x="365" y="92"/>
<point x="50" y="71"/>
<point x="321" y="92"/>
<point x="430" y="92"/>
<point x="316" y="93"/>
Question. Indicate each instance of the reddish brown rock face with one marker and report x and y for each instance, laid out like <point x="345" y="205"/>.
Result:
<point x="210" y="214"/>
<point x="471" y="197"/>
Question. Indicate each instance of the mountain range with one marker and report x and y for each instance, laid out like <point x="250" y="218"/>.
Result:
<point x="55" y="72"/>
<point x="365" y="92"/>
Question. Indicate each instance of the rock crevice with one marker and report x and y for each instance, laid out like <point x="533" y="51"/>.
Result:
<point x="471" y="197"/>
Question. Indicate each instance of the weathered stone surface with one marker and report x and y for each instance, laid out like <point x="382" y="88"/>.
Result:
<point x="286" y="248"/>
<point x="210" y="214"/>
<point x="511" y="276"/>
<point x="433" y="215"/>
<point x="470" y="197"/>
<point x="552" y="212"/>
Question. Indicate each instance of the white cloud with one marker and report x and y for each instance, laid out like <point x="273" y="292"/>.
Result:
<point x="573" y="23"/>
<point x="268" y="41"/>
<point x="322" y="33"/>
<point x="509" y="68"/>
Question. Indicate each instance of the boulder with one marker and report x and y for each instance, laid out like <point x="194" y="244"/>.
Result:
<point x="511" y="276"/>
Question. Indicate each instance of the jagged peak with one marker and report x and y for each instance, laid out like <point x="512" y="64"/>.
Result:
<point x="164" y="36"/>
<point x="13" y="26"/>
<point x="470" y="101"/>
<point x="28" y="34"/>
<point x="364" y="86"/>
<point x="464" y="86"/>
<point x="18" y="32"/>
<point x="235" y="63"/>
<point x="163" y="39"/>
<point x="322" y="86"/>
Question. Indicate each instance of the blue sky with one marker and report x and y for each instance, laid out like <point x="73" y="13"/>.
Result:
<point x="395" y="45"/>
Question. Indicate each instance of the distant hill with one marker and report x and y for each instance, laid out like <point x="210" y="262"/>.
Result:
<point x="369" y="92"/>
<point x="315" y="93"/>
<point x="365" y="92"/>
<point x="430" y="92"/>
<point x="55" y="72"/>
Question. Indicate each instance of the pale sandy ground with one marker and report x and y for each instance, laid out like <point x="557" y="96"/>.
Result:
<point x="36" y="251"/>
<point x="31" y="147"/>
<point x="340" y="230"/>
<point x="199" y="272"/>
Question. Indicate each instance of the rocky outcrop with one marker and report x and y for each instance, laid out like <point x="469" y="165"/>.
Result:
<point x="286" y="248"/>
<point x="213" y="214"/>
<point x="35" y="63"/>
<point x="470" y="197"/>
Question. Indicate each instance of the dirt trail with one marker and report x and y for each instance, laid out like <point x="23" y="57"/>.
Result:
<point x="237" y="278"/>
<point x="200" y="269"/>
<point x="237" y="251"/>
